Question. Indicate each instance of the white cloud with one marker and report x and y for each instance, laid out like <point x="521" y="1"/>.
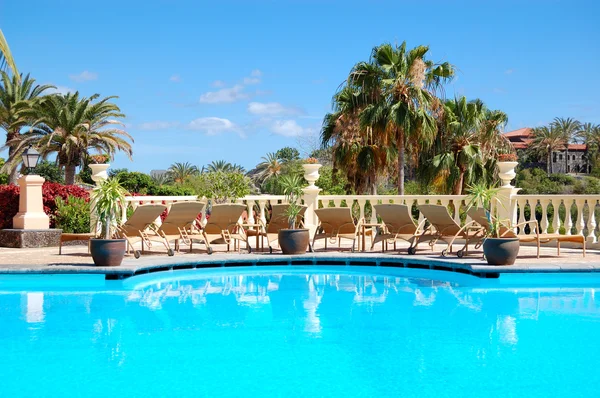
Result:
<point x="218" y="83"/>
<point x="251" y="80"/>
<point x="272" y="109"/>
<point x="509" y="71"/>
<point x="256" y="73"/>
<point x="288" y="128"/>
<point x="499" y="90"/>
<point x="84" y="76"/>
<point x="224" y="96"/>
<point x="60" y="90"/>
<point x="157" y="125"/>
<point x="213" y="125"/>
<point x="175" y="78"/>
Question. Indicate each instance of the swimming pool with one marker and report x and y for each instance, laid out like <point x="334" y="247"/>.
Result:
<point x="300" y="331"/>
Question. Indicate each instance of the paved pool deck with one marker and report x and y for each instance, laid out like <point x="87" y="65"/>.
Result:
<point x="76" y="260"/>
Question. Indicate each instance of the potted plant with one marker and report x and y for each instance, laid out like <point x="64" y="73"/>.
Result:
<point x="506" y="167"/>
<point x="107" y="200"/>
<point x="293" y="240"/>
<point x="99" y="164"/>
<point x="311" y="171"/>
<point x="500" y="244"/>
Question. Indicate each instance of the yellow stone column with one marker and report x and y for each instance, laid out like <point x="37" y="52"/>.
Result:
<point x="31" y="207"/>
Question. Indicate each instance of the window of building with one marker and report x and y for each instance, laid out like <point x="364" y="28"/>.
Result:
<point x="560" y="157"/>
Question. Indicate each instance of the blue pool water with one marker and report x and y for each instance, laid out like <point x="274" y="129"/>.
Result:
<point x="300" y="332"/>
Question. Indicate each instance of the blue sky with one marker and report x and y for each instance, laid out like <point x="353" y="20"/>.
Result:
<point x="202" y="81"/>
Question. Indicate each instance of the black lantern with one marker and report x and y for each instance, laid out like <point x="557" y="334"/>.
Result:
<point x="30" y="158"/>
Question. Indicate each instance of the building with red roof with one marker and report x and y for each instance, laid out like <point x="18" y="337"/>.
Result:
<point x="572" y="161"/>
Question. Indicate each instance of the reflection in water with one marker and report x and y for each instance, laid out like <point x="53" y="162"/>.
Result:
<point x="372" y="334"/>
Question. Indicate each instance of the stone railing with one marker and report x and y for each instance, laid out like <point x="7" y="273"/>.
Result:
<point x="576" y="213"/>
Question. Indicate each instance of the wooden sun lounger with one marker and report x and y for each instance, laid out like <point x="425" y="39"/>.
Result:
<point x="336" y="223"/>
<point x="479" y="215"/>
<point x="443" y="227"/>
<point x="398" y="224"/>
<point x="180" y="222"/>
<point x="224" y="226"/>
<point x="138" y="228"/>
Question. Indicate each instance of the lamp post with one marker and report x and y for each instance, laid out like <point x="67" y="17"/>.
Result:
<point x="31" y="208"/>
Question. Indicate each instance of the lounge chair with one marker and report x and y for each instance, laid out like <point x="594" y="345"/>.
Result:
<point x="278" y="221"/>
<point x="138" y="228"/>
<point x="479" y="215"/>
<point x="335" y="224"/>
<point x="223" y="226"/>
<point x="398" y="224"/>
<point x="180" y="222"/>
<point x="443" y="227"/>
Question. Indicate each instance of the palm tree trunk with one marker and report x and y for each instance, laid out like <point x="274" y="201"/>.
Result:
<point x="567" y="157"/>
<point x="458" y="184"/>
<point x="400" y="162"/>
<point x="549" y="161"/>
<point x="70" y="174"/>
<point x="14" y="173"/>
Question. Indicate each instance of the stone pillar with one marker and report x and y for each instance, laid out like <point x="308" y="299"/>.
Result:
<point x="31" y="207"/>
<point x="311" y="200"/>
<point x="507" y="206"/>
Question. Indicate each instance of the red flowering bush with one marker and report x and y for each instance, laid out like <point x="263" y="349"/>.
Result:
<point x="9" y="200"/>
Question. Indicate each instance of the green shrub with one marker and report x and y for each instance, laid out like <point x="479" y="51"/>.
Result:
<point x="49" y="170"/>
<point x="220" y="185"/>
<point x="73" y="215"/>
<point x="136" y="182"/>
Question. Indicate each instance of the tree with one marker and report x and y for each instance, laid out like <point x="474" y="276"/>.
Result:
<point x="17" y="96"/>
<point x="181" y="172"/>
<point x="469" y="137"/>
<point x="222" y="165"/>
<point x="361" y="152"/>
<point x="49" y="170"/>
<point x="403" y="85"/>
<point x="269" y="167"/>
<point x="546" y="140"/>
<point x="6" y="58"/>
<point x="569" y="128"/>
<point x="589" y="134"/>
<point x="220" y="186"/>
<point x="69" y="126"/>
<point x="287" y="154"/>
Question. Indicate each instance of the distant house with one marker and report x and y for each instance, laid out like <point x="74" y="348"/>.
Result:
<point x="577" y="153"/>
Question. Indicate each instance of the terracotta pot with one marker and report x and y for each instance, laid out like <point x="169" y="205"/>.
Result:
<point x="294" y="241"/>
<point x="108" y="252"/>
<point x="501" y="251"/>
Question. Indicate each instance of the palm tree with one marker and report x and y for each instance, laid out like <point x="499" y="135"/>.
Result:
<point x="181" y="172"/>
<point x="17" y="96"/>
<point x="467" y="142"/>
<point x="589" y="134"/>
<point x="569" y="128"/>
<point x="546" y="140"/>
<point x="269" y="167"/>
<point x="361" y="152"/>
<point x="404" y="85"/>
<point x="6" y="58"/>
<point x="222" y="165"/>
<point x="69" y="126"/>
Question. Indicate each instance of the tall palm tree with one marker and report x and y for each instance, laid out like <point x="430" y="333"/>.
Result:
<point x="69" y="126"/>
<point x="181" y="172"/>
<point x="546" y="140"/>
<point x="405" y="85"/>
<point x="6" y="58"/>
<point x="569" y="128"/>
<point x="269" y="167"/>
<point x="589" y="134"/>
<point x="468" y="139"/>
<point x="17" y="96"/>
<point x="361" y="152"/>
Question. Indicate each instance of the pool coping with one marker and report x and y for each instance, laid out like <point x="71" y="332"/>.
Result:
<point x="132" y="267"/>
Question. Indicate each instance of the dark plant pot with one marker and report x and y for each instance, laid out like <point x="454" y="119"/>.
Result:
<point x="108" y="252"/>
<point x="294" y="241"/>
<point x="501" y="251"/>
